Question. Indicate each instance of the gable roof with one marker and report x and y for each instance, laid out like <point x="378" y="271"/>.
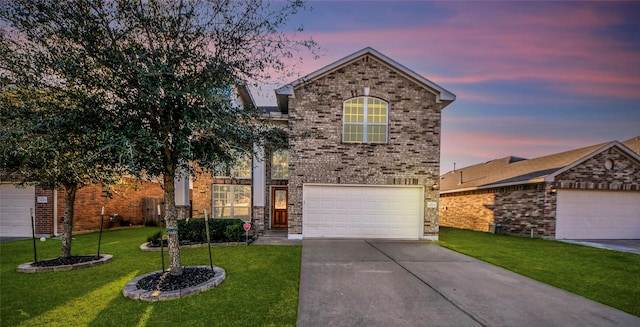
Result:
<point x="442" y="95"/>
<point x="511" y="171"/>
<point x="633" y="144"/>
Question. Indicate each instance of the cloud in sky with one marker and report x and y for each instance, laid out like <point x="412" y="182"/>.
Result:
<point x="499" y="41"/>
<point x="568" y="69"/>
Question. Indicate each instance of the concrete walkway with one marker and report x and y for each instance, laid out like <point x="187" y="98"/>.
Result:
<point x="385" y="283"/>
<point x="631" y="246"/>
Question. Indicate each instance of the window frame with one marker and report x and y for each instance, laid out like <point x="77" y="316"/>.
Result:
<point x="272" y="164"/>
<point x="229" y="171"/>
<point x="365" y="120"/>
<point x="231" y="201"/>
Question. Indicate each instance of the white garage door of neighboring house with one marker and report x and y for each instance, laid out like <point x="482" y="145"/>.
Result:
<point x="356" y="211"/>
<point x="598" y="215"/>
<point x="15" y="203"/>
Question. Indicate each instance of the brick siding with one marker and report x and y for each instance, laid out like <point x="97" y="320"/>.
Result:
<point x="521" y="208"/>
<point x="317" y="154"/>
<point x="127" y="201"/>
<point x="592" y="174"/>
<point x="473" y="211"/>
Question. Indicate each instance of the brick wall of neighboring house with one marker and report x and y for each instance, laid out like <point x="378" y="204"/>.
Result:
<point x="533" y="206"/>
<point x="127" y="201"/>
<point x="317" y="154"/>
<point x="44" y="212"/>
<point x="467" y="211"/>
<point x="593" y="175"/>
<point x="520" y="209"/>
<point x="517" y="209"/>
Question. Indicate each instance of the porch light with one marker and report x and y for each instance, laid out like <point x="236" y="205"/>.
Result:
<point x="435" y="186"/>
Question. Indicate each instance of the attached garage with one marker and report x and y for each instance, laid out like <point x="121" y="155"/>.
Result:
<point x="15" y="203"/>
<point x="362" y="211"/>
<point x="583" y="214"/>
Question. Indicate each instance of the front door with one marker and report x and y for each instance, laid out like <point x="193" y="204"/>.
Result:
<point x="279" y="213"/>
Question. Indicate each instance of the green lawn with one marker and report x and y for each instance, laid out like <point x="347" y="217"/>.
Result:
<point x="605" y="276"/>
<point x="261" y="287"/>
<point x="262" y="282"/>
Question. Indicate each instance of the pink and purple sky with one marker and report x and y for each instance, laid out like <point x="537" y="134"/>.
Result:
<point x="532" y="78"/>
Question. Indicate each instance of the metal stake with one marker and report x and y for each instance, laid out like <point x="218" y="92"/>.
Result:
<point x="161" y="240"/>
<point x="100" y="235"/>
<point x="33" y="234"/>
<point x="206" y="224"/>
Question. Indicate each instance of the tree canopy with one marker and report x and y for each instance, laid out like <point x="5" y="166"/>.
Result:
<point x="158" y="75"/>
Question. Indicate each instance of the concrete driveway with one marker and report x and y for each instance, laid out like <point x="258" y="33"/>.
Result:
<point x="395" y="283"/>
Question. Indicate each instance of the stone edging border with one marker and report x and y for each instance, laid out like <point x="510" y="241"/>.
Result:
<point x="146" y="247"/>
<point x="28" y="268"/>
<point x="133" y="292"/>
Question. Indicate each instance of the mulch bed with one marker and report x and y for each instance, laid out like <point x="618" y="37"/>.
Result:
<point x="164" y="281"/>
<point x="63" y="261"/>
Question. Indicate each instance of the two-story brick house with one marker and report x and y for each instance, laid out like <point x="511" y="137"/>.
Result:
<point x="363" y="157"/>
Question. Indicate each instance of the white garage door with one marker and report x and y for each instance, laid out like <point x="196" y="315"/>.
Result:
<point x="15" y="203"/>
<point x="341" y="211"/>
<point x="598" y="215"/>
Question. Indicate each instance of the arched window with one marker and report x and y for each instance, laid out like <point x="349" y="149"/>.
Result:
<point x="365" y="120"/>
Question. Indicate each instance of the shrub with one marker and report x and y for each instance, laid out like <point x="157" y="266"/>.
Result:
<point x="220" y="230"/>
<point x="154" y="239"/>
<point x="235" y="232"/>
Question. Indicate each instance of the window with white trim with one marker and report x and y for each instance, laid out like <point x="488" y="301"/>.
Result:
<point x="280" y="164"/>
<point x="232" y="201"/>
<point x="365" y="120"/>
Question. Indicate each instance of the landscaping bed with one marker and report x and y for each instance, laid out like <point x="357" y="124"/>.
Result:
<point x="193" y="232"/>
<point x="62" y="264"/>
<point x="261" y="288"/>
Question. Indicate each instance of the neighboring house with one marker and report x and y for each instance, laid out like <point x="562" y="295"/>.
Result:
<point x="363" y="157"/>
<point x="16" y="204"/>
<point x="587" y="193"/>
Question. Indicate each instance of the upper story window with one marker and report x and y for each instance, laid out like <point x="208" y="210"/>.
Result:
<point x="241" y="169"/>
<point x="280" y="164"/>
<point x="365" y="120"/>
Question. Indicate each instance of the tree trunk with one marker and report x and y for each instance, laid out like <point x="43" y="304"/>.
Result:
<point x="171" y="221"/>
<point x="67" y="221"/>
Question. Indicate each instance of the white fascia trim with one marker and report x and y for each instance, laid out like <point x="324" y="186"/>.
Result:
<point x="294" y="236"/>
<point x="287" y="89"/>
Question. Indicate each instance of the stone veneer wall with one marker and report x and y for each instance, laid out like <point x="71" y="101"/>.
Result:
<point x="470" y="211"/>
<point x="317" y="154"/>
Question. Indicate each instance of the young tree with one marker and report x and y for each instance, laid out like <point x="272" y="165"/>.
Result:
<point x="166" y="69"/>
<point x="53" y="139"/>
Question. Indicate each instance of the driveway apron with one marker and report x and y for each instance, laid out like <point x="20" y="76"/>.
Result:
<point x="396" y="283"/>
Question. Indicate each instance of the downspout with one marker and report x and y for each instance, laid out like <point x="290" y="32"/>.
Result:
<point x="55" y="212"/>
